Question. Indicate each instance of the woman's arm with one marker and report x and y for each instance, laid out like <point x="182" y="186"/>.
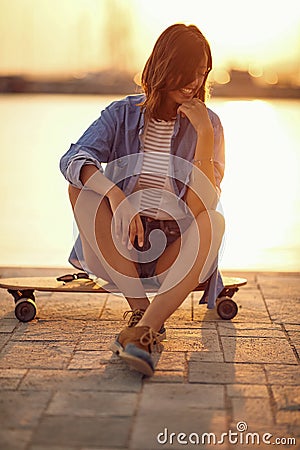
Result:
<point x="203" y="183"/>
<point x="127" y="222"/>
<point x="93" y="148"/>
<point x="92" y="178"/>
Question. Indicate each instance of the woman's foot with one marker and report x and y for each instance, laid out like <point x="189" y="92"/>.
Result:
<point x="136" y="315"/>
<point x="134" y="345"/>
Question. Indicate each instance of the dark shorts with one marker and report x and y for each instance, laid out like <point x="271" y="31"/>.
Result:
<point x="172" y="230"/>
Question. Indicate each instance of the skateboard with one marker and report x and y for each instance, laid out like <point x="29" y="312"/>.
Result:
<point x="22" y="290"/>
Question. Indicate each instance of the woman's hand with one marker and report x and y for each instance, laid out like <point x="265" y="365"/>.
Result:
<point x="195" y="110"/>
<point x="127" y="222"/>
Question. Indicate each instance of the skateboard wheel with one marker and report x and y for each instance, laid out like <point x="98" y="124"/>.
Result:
<point x="227" y="308"/>
<point x="25" y="310"/>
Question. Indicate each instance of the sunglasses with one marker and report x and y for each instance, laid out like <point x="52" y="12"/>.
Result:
<point x="75" y="276"/>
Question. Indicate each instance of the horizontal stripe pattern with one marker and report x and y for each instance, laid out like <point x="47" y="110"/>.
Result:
<point x="157" y="144"/>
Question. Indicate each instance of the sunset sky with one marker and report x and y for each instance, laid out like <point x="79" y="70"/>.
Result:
<point x="77" y="36"/>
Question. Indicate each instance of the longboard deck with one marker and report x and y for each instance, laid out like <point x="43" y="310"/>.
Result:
<point x="50" y="284"/>
<point x="22" y="290"/>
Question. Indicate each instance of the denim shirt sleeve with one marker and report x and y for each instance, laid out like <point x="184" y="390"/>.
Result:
<point x="219" y="150"/>
<point x="214" y="288"/>
<point x="94" y="147"/>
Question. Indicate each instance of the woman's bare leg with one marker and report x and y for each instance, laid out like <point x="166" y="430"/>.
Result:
<point x="93" y="216"/>
<point x="181" y="279"/>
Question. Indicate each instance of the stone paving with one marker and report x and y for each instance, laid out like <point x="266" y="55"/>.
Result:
<point x="62" y="389"/>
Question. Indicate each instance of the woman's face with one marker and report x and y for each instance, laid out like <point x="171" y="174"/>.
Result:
<point x="188" y="92"/>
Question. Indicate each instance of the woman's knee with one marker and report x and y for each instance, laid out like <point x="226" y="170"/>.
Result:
<point x="73" y="194"/>
<point x="88" y="203"/>
<point x="211" y="220"/>
<point x="218" y="221"/>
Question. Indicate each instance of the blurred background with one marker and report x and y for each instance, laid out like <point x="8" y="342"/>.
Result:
<point x="63" y="61"/>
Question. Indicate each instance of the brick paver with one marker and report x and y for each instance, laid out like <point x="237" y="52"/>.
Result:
<point x="62" y="389"/>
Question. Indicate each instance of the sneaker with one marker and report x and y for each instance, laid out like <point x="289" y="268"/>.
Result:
<point x="136" y="315"/>
<point x="134" y="345"/>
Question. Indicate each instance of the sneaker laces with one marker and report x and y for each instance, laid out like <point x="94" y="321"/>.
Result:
<point x="136" y="315"/>
<point x="150" y="338"/>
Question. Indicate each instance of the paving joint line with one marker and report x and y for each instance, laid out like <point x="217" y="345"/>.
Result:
<point x="271" y="397"/>
<point x="220" y="341"/>
<point x="297" y="356"/>
<point x="41" y="416"/>
<point x="192" y="305"/>
<point x="68" y="361"/>
<point x="104" y="306"/>
<point x="228" y="407"/>
<point x="21" y="380"/>
<point x="265" y="303"/>
<point x="186" y="367"/>
<point x="134" y="416"/>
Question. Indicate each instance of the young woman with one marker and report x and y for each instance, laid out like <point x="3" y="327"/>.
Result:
<point x="151" y="215"/>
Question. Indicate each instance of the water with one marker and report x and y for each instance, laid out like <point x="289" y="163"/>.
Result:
<point x="260" y="188"/>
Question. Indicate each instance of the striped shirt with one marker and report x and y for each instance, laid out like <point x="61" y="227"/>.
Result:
<point x="153" y="183"/>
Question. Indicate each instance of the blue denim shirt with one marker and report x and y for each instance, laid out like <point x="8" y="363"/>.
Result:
<point x="115" y="138"/>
